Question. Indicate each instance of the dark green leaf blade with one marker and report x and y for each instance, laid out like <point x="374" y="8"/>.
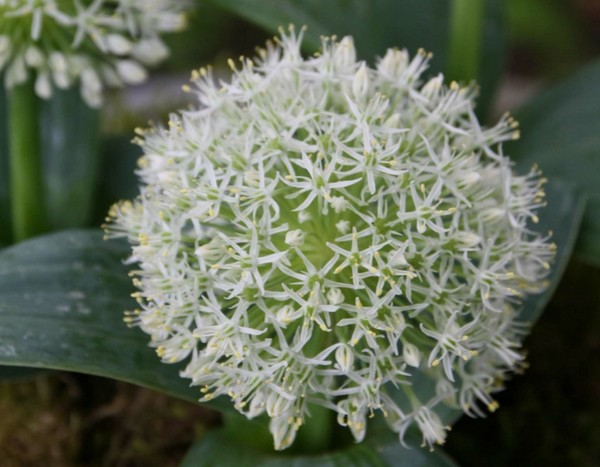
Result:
<point x="217" y="449"/>
<point x="70" y="142"/>
<point x="118" y="178"/>
<point x="394" y="454"/>
<point x="562" y="217"/>
<point x="375" y="25"/>
<point x="561" y="133"/>
<point x="379" y="24"/>
<point x="5" y="225"/>
<point x="62" y="298"/>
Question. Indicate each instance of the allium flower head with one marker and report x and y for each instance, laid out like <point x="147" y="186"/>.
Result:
<point x="96" y="42"/>
<point x="319" y="231"/>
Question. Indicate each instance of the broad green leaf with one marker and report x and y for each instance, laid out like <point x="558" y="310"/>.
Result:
<point x="560" y="131"/>
<point x="394" y="454"/>
<point x="7" y="373"/>
<point x="5" y="230"/>
<point x="118" y="180"/>
<point x="70" y="156"/>
<point x="379" y="24"/>
<point x="562" y="217"/>
<point x="493" y="55"/>
<point x="62" y="298"/>
<point x="217" y="449"/>
<point x="210" y="30"/>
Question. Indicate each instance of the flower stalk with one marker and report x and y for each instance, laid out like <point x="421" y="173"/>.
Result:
<point x="27" y="207"/>
<point x="466" y="37"/>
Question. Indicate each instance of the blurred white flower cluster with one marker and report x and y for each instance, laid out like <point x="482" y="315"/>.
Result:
<point x="319" y="231"/>
<point x="96" y="42"/>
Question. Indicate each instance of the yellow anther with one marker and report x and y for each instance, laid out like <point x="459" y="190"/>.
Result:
<point x="493" y="406"/>
<point x="143" y="239"/>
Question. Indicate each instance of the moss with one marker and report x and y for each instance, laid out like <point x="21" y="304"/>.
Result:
<point x="65" y="420"/>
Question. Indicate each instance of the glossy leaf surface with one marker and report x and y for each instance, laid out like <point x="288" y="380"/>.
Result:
<point x="62" y="298"/>
<point x="70" y="146"/>
<point x="379" y="24"/>
<point x="560" y="131"/>
<point x="216" y="449"/>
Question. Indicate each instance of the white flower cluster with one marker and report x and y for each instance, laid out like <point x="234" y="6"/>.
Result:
<point x="96" y="42"/>
<point x="323" y="232"/>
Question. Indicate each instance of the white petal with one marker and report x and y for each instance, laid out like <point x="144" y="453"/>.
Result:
<point x="131" y="72"/>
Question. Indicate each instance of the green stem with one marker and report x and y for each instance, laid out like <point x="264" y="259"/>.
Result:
<point x="25" y="163"/>
<point x="5" y="230"/>
<point x="466" y="37"/>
